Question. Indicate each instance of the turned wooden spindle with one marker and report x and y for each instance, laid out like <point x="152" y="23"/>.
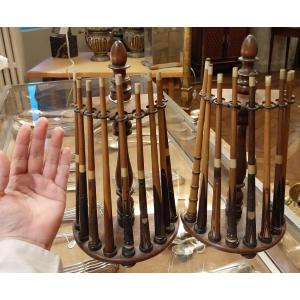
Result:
<point x="265" y="232"/>
<point x="109" y="249"/>
<point x="231" y="235"/>
<point x="83" y="199"/>
<point x="190" y="215"/>
<point x="118" y="57"/>
<point x="94" y="240"/>
<point x="248" y="57"/>
<point x="215" y="235"/>
<point x="200" y="226"/>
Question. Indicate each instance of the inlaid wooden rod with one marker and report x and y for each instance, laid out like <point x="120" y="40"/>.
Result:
<point x="265" y="232"/>
<point x="94" y="240"/>
<point x="200" y="226"/>
<point x="249" y="239"/>
<point x="279" y="184"/>
<point x="83" y="199"/>
<point x="231" y="235"/>
<point x="160" y="236"/>
<point x="214" y="235"/>
<point x="109" y="249"/>
<point x="128" y="247"/>
<point x="145" y="241"/>
<point x="76" y="154"/>
<point x="286" y="129"/>
<point x="191" y="213"/>
<point x="166" y="182"/>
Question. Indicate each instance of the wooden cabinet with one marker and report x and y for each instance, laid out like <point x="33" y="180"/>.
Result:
<point x="221" y="44"/>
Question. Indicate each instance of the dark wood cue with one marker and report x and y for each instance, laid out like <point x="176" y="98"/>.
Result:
<point x="200" y="226"/>
<point x="128" y="247"/>
<point x="145" y="241"/>
<point x="76" y="154"/>
<point x="231" y="234"/>
<point x="289" y="95"/>
<point x="265" y="232"/>
<point x="109" y="249"/>
<point x="166" y="182"/>
<point x="249" y="239"/>
<point x="190" y="215"/>
<point x="83" y="199"/>
<point x="279" y="184"/>
<point x="160" y="236"/>
<point x="214" y="235"/>
<point x="94" y="240"/>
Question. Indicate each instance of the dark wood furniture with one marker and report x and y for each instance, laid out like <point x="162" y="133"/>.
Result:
<point x="288" y="32"/>
<point x="221" y="44"/>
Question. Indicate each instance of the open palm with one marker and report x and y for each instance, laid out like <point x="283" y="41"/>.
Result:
<point x="33" y="191"/>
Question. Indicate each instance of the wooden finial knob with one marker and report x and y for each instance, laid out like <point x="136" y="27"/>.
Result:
<point x="118" y="54"/>
<point x="249" y="47"/>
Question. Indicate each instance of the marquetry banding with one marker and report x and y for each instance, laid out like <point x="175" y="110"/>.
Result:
<point x="137" y="88"/>
<point x="101" y="82"/>
<point x="217" y="163"/>
<point x="220" y="78"/>
<point x="158" y="76"/>
<point x="252" y="169"/>
<point x="282" y="74"/>
<point x="251" y="215"/>
<point x="91" y="174"/>
<point x="210" y="70"/>
<point x="124" y="172"/>
<point x="88" y="85"/>
<point x="234" y="72"/>
<point x="144" y="220"/>
<point x="118" y="79"/>
<point x="77" y="158"/>
<point x="232" y="164"/>
<point x="251" y="81"/>
<point x="141" y="174"/>
<point x="278" y="159"/>
<point x="82" y="168"/>
<point x="167" y="152"/>
<point x="268" y="80"/>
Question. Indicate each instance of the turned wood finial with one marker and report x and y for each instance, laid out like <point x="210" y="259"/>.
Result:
<point x="248" y="57"/>
<point x="118" y="57"/>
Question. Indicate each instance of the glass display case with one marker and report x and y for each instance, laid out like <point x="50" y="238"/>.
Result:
<point x="26" y="103"/>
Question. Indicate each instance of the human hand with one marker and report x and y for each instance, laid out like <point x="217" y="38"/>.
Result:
<point x="33" y="191"/>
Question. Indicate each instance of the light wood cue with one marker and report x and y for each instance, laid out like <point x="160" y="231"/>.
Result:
<point x="160" y="236"/>
<point x="200" y="226"/>
<point x="286" y="129"/>
<point x="145" y="241"/>
<point x="250" y="239"/>
<point x="265" y="232"/>
<point x="231" y="234"/>
<point x="76" y="154"/>
<point x="279" y="185"/>
<point x="109" y="249"/>
<point x="191" y="213"/>
<point x="94" y="241"/>
<point x="83" y="200"/>
<point x="214" y="234"/>
<point x="163" y="152"/>
<point x="128" y="247"/>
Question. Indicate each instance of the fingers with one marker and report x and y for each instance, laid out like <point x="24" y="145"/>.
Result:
<point x="37" y="147"/>
<point x="63" y="169"/>
<point x="54" y="151"/>
<point x="4" y="172"/>
<point x="19" y="160"/>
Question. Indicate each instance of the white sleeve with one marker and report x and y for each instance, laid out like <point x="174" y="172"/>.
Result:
<point x="17" y="256"/>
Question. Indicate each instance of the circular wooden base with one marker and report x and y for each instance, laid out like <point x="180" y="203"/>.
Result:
<point x="118" y="258"/>
<point x="221" y="245"/>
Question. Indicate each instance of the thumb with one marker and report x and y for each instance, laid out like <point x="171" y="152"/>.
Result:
<point x="4" y="172"/>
